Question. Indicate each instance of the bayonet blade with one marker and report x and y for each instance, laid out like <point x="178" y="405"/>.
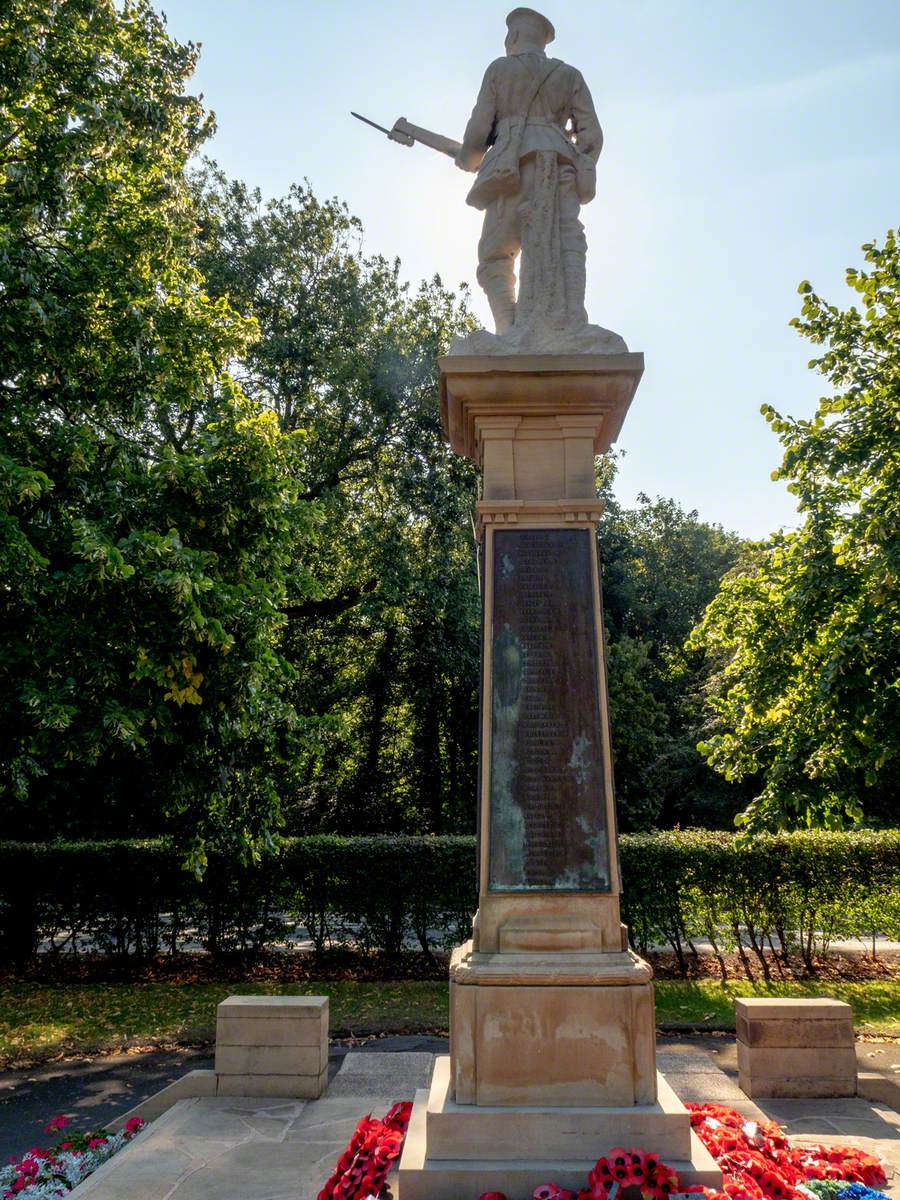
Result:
<point x="374" y="124"/>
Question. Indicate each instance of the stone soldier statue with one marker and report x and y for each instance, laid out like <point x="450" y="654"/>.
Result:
<point x="534" y="140"/>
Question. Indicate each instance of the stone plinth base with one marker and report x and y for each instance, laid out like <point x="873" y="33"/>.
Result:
<point x="801" y="1048"/>
<point x="457" y="1150"/>
<point x="570" y="1029"/>
<point x="272" y="1046"/>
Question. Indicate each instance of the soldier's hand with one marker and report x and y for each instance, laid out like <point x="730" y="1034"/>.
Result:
<point x="467" y="159"/>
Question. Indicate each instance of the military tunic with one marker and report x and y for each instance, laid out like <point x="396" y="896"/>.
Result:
<point x="499" y="111"/>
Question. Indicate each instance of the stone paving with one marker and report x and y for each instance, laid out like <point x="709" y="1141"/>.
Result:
<point x="696" y="1077"/>
<point x="95" y="1092"/>
<point x="220" y="1148"/>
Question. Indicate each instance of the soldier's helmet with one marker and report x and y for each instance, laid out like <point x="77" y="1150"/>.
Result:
<point x="531" y="22"/>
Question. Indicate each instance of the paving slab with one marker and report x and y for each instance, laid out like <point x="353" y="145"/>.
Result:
<point x="95" y="1092"/>
<point x="705" y="1087"/>
<point x="398" y="1075"/>
<point x="683" y="1060"/>
<point x="214" y="1148"/>
<point x="221" y="1148"/>
<point x="224" y="1148"/>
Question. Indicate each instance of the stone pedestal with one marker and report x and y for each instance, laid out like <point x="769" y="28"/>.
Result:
<point x="800" y="1048"/>
<point x="552" y="1028"/>
<point x="458" y="1151"/>
<point x="272" y="1046"/>
<point x="552" y="1034"/>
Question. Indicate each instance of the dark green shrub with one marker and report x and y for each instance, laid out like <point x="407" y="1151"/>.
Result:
<point x="125" y="897"/>
<point x="762" y="898"/>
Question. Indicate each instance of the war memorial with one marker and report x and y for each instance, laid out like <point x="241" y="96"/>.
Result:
<point x="552" y="1052"/>
<point x="552" y="1033"/>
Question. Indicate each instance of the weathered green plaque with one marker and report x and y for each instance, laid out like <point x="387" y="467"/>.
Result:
<point x="548" y="828"/>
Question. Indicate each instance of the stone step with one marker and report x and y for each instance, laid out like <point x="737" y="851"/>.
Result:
<point x="422" y="1178"/>
<point x="477" y="1132"/>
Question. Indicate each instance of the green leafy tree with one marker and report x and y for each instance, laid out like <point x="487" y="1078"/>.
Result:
<point x="232" y="598"/>
<point x="660" y="567"/>
<point x="150" y="521"/>
<point x="806" y="630"/>
<point x="385" y="651"/>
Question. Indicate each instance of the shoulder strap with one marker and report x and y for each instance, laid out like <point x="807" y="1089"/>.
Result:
<point x="542" y="78"/>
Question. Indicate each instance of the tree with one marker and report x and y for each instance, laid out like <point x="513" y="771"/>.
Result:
<point x="806" y="630"/>
<point x="385" y="652"/>
<point x="232" y="597"/>
<point x="660" y="567"/>
<point x="151" y="525"/>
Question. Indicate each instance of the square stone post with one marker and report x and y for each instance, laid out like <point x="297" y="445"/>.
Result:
<point x="552" y="1032"/>
<point x="795" y="1047"/>
<point x="272" y="1046"/>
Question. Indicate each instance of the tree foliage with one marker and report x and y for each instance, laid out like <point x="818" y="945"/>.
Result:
<point x="150" y="520"/>
<point x="385" y="652"/>
<point x="806" y="630"/>
<point x="660" y="567"/>
<point x="238" y="576"/>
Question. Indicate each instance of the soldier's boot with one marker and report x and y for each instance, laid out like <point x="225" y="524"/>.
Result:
<point x="498" y="281"/>
<point x="574" y="275"/>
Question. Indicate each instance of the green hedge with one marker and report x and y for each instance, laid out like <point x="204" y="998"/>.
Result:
<point x="793" y="893"/>
<point x="789" y="892"/>
<point x="135" y="897"/>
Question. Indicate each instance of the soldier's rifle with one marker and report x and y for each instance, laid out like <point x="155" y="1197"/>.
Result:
<point x="407" y="135"/>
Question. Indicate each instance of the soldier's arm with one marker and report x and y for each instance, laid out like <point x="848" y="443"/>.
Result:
<point x="588" y="134"/>
<point x="477" y="137"/>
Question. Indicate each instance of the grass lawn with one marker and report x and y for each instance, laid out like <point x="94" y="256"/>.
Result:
<point x="710" y="1003"/>
<point x="39" y="1022"/>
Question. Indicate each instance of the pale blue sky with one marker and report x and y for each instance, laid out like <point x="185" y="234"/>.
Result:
<point x="749" y="145"/>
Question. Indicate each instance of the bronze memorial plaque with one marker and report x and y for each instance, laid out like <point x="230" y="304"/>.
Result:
<point x="547" y="813"/>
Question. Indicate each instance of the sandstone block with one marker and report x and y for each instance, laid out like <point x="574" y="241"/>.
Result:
<point x="791" y="1062"/>
<point x="271" y="1031"/>
<point x="763" y="1008"/>
<point x="298" y="1008"/>
<point x="305" y="1087"/>
<point x="466" y="1131"/>
<point x="805" y="1031"/>
<point x="272" y="1046"/>
<point x="799" y="1088"/>
<point x="504" y="1168"/>
<point x="880" y="1088"/>
<point x="271" y="1060"/>
<point x="552" y="1029"/>
<point x="555" y="1045"/>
